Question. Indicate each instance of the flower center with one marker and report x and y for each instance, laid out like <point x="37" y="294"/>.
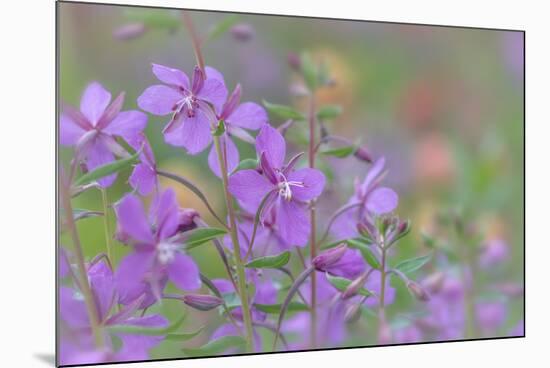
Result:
<point x="189" y="102"/>
<point x="166" y="252"/>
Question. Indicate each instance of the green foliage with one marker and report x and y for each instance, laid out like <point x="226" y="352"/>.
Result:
<point x="342" y="284"/>
<point x="108" y="169"/>
<point x="276" y="261"/>
<point x="283" y="111"/>
<point x="199" y="236"/>
<point x="216" y="346"/>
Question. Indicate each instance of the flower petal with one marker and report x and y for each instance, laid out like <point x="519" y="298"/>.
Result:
<point x="72" y="308"/>
<point x="270" y="141"/>
<point x="94" y="101"/>
<point x="213" y="90"/>
<point x="99" y="154"/>
<point x="130" y="275"/>
<point x="143" y="179"/>
<point x="375" y="171"/>
<point x="103" y="287"/>
<point x="159" y="99"/>
<point x="136" y="347"/>
<point x="292" y="222"/>
<point x="232" y="159"/>
<point x="69" y="131"/>
<point x="133" y="220"/>
<point x="248" y="115"/>
<point x="127" y="124"/>
<point x="313" y="181"/>
<point x="193" y="133"/>
<point x="171" y="76"/>
<point x="184" y="272"/>
<point x="165" y="212"/>
<point x="249" y="187"/>
<point x="382" y="200"/>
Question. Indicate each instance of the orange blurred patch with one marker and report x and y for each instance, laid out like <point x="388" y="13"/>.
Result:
<point x="433" y="162"/>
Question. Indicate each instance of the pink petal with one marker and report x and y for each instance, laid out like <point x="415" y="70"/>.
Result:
<point x="270" y="141"/>
<point x="313" y="181"/>
<point x="232" y="159"/>
<point x="130" y="275"/>
<point x="94" y="101"/>
<point x="248" y="115"/>
<point x="127" y="124"/>
<point x="159" y="99"/>
<point x="193" y="134"/>
<point x="249" y="187"/>
<point x="183" y="272"/>
<point x="133" y="220"/>
<point x="98" y="155"/>
<point x="166" y="214"/>
<point x="292" y="222"/>
<point x="171" y="76"/>
<point x="69" y="131"/>
<point x="382" y="200"/>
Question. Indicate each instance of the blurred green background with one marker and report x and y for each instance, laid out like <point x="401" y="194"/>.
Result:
<point x="443" y="105"/>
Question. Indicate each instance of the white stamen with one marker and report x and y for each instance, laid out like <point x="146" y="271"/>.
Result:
<point x="166" y="252"/>
<point x="284" y="187"/>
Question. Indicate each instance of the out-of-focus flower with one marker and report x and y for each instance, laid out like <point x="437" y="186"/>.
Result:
<point x="371" y="199"/>
<point x="144" y="176"/>
<point x="494" y="252"/>
<point x="93" y="130"/>
<point x="157" y="257"/>
<point x="242" y="32"/>
<point x="408" y="334"/>
<point x="287" y="189"/>
<point x="433" y="161"/>
<point x="78" y="346"/>
<point x="129" y="31"/>
<point x="187" y="101"/>
<point x="490" y="316"/>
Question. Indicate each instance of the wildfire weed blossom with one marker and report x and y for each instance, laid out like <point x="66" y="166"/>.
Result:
<point x="299" y="271"/>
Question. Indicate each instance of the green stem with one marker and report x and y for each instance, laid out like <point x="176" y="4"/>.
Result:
<point x="236" y="248"/>
<point x="81" y="266"/>
<point x="106" y="223"/>
<point x="312" y="241"/>
<point x="381" y="307"/>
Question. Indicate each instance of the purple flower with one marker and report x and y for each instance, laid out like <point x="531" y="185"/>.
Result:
<point x="370" y="198"/>
<point x="490" y="316"/>
<point x="77" y="343"/>
<point x="494" y="252"/>
<point x="237" y="117"/>
<point x="156" y="257"/>
<point x="188" y="102"/>
<point x="93" y="130"/>
<point x="144" y="177"/>
<point x="288" y="189"/>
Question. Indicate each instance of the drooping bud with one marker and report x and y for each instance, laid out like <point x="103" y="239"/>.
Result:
<point x="434" y="282"/>
<point x="329" y="257"/>
<point x="129" y="31"/>
<point x="202" y="302"/>
<point x="363" y="154"/>
<point x="242" y="32"/>
<point x="352" y="313"/>
<point x="403" y="228"/>
<point x="186" y="219"/>
<point x="354" y="287"/>
<point x="418" y="291"/>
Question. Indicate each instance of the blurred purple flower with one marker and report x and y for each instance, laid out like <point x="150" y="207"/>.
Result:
<point x="288" y="190"/>
<point x="187" y="101"/>
<point x="242" y="32"/>
<point x="157" y="257"/>
<point x="93" y="130"/>
<point x="490" y="316"/>
<point x="78" y="345"/>
<point x="144" y="176"/>
<point x="370" y="198"/>
<point x="494" y="252"/>
<point x="237" y="117"/>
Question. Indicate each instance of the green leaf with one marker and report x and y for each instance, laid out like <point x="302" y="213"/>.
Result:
<point x="184" y="336"/>
<point x="366" y="252"/>
<point x="147" y="331"/>
<point x="276" y="261"/>
<point x="217" y="346"/>
<point x="340" y="152"/>
<point x="309" y="71"/>
<point x="410" y="265"/>
<point x="342" y="284"/>
<point x="276" y="308"/>
<point x="220" y="129"/>
<point x="222" y="27"/>
<point x="199" y="236"/>
<point x="329" y="112"/>
<point x="428" y="240"/>
<point x="154" y="18"/>
<point x="247" y="164"/>
<point x="283" y="111"/>
<point x="107" y="169"/>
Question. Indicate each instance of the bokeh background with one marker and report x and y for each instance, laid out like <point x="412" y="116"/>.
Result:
<point x="444" y="105"/>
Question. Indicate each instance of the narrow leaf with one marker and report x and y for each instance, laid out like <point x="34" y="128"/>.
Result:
<point x="107" y="169"/>
<point x="342" y="284"/>
<point x="247" y="164"/>
<point x="184" y="336"/>
<point x="276" y="308"/>
<point x="196" y="237"/>
<point x="147" y="331"/>
<point x="217" y="346"/>
<point x="410" y="265"/>
<point x="309" y="71"/>
<point x="284" y="112"/>
<point x="154" y="18"/>
<point x="222" y="27"/>
<point x="340" y="152"/>
<point x="275" y="261"/>
<point x="366" y="252"/>
<point x="329" y="112"/>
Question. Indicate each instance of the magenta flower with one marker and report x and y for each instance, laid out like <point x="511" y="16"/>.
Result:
<point x="157" y="257"/>
<point x="288" y="189"/>
<point x="78" y="344"/>
<point x="237" y="118"/>
<point x="144" y="177"/>
<point x="93" y="130"/>
<point x="371" y="199"/>
<point x="188" y="102"/>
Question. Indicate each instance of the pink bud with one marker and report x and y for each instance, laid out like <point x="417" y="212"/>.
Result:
<point x="129" y="31"/>
<point x="294" y="61"/>
<point x="202" y="302"/>
<point x="329" y="257"/>
<point x="354" y="287"/>
<point x="418" y="291"/>
<point x="362" y="154"/>
<point x="242" y="32"/>
<point x="352" y="313"/>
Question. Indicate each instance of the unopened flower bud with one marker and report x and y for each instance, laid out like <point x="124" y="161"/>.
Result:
<point x="242" y="32"/>
<point x="129" y="31"/>
<point x="363" y="154"/>
<point x="121" y="235"/>
<point x="354" y="287"/>
<point x="434" y="282"/>
<point x="186" y="219"/>
<point x="329" y="257"/>
<point x="202" y="302"/>
<point x="418" y="291"/>
<point x="403" y="227"/>
<point x="352" y="313"/>
<point x="294" y="61"/>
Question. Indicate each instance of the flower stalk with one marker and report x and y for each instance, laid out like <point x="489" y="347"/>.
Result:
<point x="105" y="202"/>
